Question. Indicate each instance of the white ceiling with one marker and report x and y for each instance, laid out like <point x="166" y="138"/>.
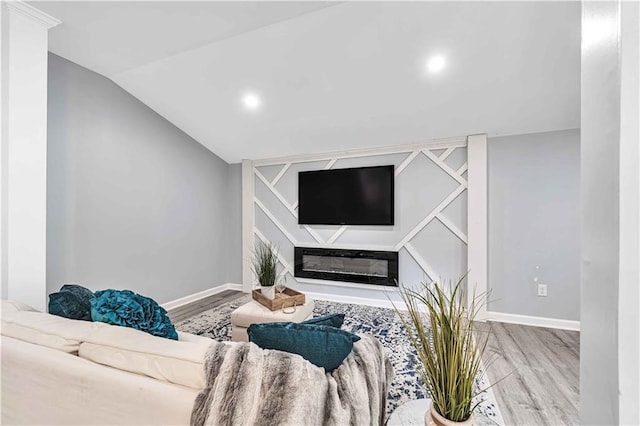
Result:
<point x="334" y="78"/>
<point x="114" y="36"/>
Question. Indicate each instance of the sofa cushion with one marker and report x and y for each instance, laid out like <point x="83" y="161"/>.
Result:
<point x="322" y="345"/>
<point x="179" y="362"/>
<point x="72" y="301"/>
<point x="333" y="320"/>
<point x="188" y="337"/>
<point x="129" y="309"/>
<point x="43" y="329"/>
<point x="15" y="306"/>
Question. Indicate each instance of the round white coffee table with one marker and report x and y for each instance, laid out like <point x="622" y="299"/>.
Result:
<point x="411" y="413"/>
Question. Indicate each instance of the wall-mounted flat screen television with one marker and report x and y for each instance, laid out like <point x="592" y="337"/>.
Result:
<point x="356" y="196"/>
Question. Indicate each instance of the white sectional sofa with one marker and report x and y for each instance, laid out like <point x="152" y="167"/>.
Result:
<point x="61" y="371"/>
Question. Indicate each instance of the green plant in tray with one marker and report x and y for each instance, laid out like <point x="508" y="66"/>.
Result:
<point x="265" y="262"/>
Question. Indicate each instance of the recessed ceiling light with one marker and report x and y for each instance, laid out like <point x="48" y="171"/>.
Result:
<point x="251" y="101"/>
<point x="436" y="64"/>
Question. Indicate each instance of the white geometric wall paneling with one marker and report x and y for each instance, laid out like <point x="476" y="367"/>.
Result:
<point x="430" y="184"/>
<point x="436" y="213"/>
<point x="288" y="268"/>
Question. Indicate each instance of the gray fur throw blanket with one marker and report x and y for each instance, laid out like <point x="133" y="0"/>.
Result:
<point x="247" y="385"/>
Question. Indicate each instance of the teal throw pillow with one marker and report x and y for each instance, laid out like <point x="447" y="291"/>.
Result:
<point x="129" y="309"/>
<point x="334" y="320"/>
<point x="73" y="301"/>
<point x="322" y="345"/>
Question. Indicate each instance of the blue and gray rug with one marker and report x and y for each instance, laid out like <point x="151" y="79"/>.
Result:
<point x="382" y="323"/>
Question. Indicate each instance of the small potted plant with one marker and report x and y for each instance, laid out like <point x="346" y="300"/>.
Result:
<point x="440" y="328"/>
<point x="265" y="262"/>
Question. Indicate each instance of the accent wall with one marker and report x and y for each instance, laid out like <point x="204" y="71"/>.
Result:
<point x="430" y="229"/>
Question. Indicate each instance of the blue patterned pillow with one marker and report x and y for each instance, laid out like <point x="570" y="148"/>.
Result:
<point x="72" y="301"/>
<point x="129" y="309"/>
<point x="322" y="345"/>
<point x="334" y="320"/>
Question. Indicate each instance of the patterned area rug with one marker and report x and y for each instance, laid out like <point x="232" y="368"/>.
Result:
<point x="382" y="323"/>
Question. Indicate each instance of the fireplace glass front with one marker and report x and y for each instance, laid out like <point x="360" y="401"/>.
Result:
<point x="360" y="266"/>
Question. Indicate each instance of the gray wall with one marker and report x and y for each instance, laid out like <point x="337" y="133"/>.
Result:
<point x="132" y="201"/>
<point x="234" y="223"/>
<point x="534" y="219"/>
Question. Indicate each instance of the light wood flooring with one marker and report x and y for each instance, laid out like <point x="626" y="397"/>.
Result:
<point x="543" y="369"/>
<point x="210" y="302"/>
<point x="542" y="366"/>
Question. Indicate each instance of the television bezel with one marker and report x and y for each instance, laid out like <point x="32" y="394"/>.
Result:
<point x="391" y="221"/>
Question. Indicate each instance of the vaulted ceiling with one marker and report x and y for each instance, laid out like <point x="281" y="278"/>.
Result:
<point x="333" y="76"/>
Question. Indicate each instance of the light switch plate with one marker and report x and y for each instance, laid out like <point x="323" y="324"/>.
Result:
<point x="542" y="290"/>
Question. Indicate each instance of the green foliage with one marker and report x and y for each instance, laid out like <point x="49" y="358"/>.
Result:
<point x="265" y="262"/>
<point x="440" y="327"/>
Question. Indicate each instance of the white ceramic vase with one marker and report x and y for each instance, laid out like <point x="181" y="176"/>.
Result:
<point x="432" y="418"/>
<point x="268" y="291"/>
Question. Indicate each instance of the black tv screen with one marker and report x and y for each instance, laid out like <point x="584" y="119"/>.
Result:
<point x="357" y="196"/>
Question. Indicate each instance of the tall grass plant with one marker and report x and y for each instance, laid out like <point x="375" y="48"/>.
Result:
<point x="441" y="329"/>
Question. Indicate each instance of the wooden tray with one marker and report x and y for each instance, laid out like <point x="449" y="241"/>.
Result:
<point x="289" y="297"/>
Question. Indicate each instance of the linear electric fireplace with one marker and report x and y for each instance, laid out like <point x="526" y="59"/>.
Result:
<point x="360" y="266"/>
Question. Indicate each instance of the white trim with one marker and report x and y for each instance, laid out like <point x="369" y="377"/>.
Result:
<point x="248" y="223"/>
<point x="345" y="284"/>
<point x="284" y="202"/>
<point x="281" y="173"/>
<point x="446" y="153"/>
<point x="275" y="192"/>
<point x="314" y="234"/>
<point x="275" y="221"/>
<point x="330" y="163"/>
<point x="405" y="163"/>
<point x="36" y="15"/>
<point x="173" y="304"/>
<point x="477" y="219"/>
<point x="337" y="234"/>
<point x="380" y="303"/>
<point x="462" y="169"/>
<point x="629" y="210"/>
<point x="444" y="166"/>
<point x="533" y="321"/>
<point x="351" y="246"/>
<point x="288" y="268"/>
<point x="459" y="190"/>
<point x="457" y="142"/>
<point x="421" y="262"/>
<point x="453" y="228"/>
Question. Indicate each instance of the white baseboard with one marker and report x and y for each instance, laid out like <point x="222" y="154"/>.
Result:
<point x="380" y="303"/>
<point x="534" y="321"/>
<point x="385" y="303"/>
<point x="200" y="295"/>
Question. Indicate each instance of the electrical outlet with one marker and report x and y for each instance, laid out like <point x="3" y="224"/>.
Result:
<point x="542" y="290"/>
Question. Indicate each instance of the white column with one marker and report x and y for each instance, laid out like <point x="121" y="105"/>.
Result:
<point x="248" y="224"/>
<point x="609" y="338"/>
<point x="23" y="152"/>
<point x="477" y="218"/>
<point x="629" y="291"/>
